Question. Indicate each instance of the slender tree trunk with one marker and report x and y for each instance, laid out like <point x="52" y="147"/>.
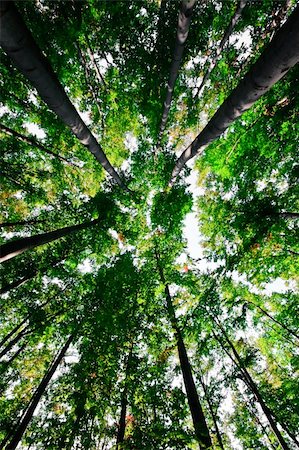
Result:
<point x="213" y="415"/>
<point x="27" y="416"/>
<point x="124" y="402"/>
<point x="13" y="331"/>
<point x="14" y="341"/>
<point x="252" y="386"/>
<point x="33" y="142"/>
<point x="182" y="34"/>
<point x="241" y="5"/>
<point x="274" y="320"/>
<point x="275" y="61"/>
<point x="122" y="421"/>
<point x="198" y="418"/>
<point x="15" y="355"/>
<point x="94" y="62"/>
<point x="18" y="246"/>
<point x="19" y="44"/>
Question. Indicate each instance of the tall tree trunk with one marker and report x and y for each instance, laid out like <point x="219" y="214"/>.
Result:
<point x="252" y="386"/>
<point x="213" y="415"/>
<point x="33" y="142"/>
<point x="27" y="415"/>
<point x="198" y="418"/>
<point x="13" y="331"/>
<point x="18" y="246"/>
<point x="122" y="421"/>
<point x="238" y="12"/>
<point x="275" y="61"/>
<point x="124" y="402"/>
<point x="19" y="44"/>
<point x="182" y="34"/>
<point x="274" y="320"/>
<point x="14" y="341"/>
<point x="94" y="62"/>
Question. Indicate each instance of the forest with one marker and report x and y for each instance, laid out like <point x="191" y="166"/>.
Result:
<point x="149" y="224"/>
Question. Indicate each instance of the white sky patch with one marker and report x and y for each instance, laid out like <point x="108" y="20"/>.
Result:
<point x="242" y="38"/>
<point x="35" y="130"/>
<point x="131" y="142"/>
<point x="85" y="266"/>
<point x="3" y="110"/>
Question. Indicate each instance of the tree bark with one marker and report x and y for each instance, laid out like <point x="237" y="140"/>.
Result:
<point x="33" y="142"/>
<point x="18" y="246"/>
<point x="28" y="413"/>
<point x="13" y="331"/>
<point x="19" y="44"/>
<point x="241" y="5"/>
<point x="274" y="320"/>
<point x="14" y="341"/>
<point x="182" y="34"/>
<point x="275" y="61"/>
<point x="252" y="386"/>
<point x="198" y="418"/>
<point x="213" y="415"/>
<point x="124" y="402"/>
<point x="122" y="421"/>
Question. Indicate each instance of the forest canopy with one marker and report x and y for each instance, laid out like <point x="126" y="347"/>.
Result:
<point x="148" y="302"/>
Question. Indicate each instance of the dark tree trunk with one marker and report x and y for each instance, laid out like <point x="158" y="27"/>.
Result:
<point x="13" y="331"/>
<point x="241" y="5"/>
<point x="274" y="320"/>
<point x="33" y="142"/>
<point x="94" y="62"/>
<point x="18" y="246"/>
<point x="182" y="34"/>
<point x="124" y="403"/>
<point x="122" y="421"/>
<point x="27" y="415"/>
<point x="19" y="44"/>
<point x="14" y="341"/>
<point x="275" y="61"/>
<point x="198" y="418"/>
<point x="252" y="386"/>
<point x="213" y="415"/>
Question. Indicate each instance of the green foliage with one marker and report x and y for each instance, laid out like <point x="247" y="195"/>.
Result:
<point x="103" y="283"/>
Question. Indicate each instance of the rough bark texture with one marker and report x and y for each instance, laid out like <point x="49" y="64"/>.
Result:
<point x="241" y="5"/>
<point x="182" y="34"/>
<point x="18" y="246"/>
<point x="27" y="416"/>
<point x="19" y="44"/>
<point x="278" y="57"/>
<point x="198" y="418"/>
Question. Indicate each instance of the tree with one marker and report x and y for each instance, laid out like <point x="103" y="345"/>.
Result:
<point x="18" y="246"/>
<point x="16" y="435"/>
<point x="182" y="34"/>
<point x="272" y="65"/>
<point x="25" y="54"/>
<point x="196" y="343"/>
<point x="199" y="421"/>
